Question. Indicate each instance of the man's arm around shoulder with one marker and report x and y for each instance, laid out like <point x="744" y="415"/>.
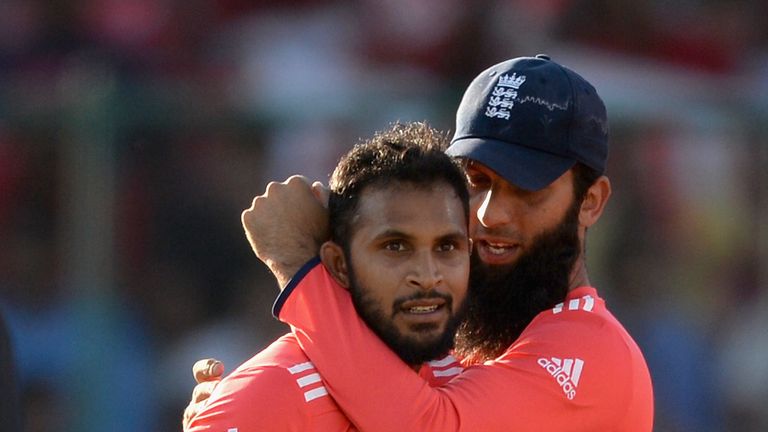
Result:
<point x="259" y="398"/>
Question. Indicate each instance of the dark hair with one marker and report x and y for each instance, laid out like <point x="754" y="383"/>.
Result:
<point x="411" y="153"/>
<point x="583" y="178"/>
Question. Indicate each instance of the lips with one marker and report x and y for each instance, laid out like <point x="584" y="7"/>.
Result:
<point x="422" y="306"/>
<point x="497" y="252"/>
<point x="497" y="248"/>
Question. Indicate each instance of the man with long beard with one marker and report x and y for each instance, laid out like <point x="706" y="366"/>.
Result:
<point x="496" y="314"/>
<point x="543" y="351"/>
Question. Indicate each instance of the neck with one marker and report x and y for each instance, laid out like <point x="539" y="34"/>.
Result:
<point x="578" y="276"/>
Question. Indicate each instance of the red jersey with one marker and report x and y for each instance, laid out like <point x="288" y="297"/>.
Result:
<point x="279" y="389"/>
<point x="574" y="368"/>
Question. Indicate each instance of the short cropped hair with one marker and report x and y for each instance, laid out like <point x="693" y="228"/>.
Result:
<point x="411" y="153"/>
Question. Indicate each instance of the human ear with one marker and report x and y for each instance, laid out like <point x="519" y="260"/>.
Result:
<point x="594" y="201"/>
<point x="332" y="256"/>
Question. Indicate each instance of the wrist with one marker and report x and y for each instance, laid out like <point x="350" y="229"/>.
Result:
<point x="286" y="268"/>
<point x="292" y="283"/>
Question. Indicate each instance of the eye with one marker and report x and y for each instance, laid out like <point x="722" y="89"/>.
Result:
<point x="446" y="247"/>
<point x="477" y="180"/>
<point x="395" y="246"/>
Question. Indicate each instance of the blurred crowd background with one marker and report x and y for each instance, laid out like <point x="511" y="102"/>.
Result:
<point x="134" y="132"/>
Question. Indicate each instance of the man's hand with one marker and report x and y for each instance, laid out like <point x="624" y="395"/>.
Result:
<point x="208" y="374"/>
<point x="287" y="225"/>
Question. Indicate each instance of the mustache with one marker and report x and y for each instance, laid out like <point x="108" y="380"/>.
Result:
<point x="480" y="232"/>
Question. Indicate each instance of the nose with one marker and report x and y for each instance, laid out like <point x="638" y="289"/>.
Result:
<point x="489" y="210"/>
<point x="426" y="273"/>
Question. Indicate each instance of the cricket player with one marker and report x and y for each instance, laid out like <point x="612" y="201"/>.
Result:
<point x="399" y="246"/>
<point x="543" y="351"/>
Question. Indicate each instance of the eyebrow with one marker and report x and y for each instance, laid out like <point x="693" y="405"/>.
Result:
<point x="393" y="233"/>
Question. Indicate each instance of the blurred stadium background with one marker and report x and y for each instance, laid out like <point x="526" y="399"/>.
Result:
<point x="133" y="132"/>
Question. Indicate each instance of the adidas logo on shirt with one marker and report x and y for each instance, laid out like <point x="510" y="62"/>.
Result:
<point x="565" y="371"/>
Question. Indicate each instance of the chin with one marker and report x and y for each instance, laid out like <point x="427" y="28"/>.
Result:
<point x="423" y="335"/>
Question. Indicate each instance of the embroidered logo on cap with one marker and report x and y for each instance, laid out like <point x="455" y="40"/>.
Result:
<point x="504" y="95"/>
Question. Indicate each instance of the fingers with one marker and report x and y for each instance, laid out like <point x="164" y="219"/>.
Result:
<point x="293" y="182"/>
<point x="190" y="411"/>
<point x="203" y="390"/>
<point x="207" y="370"/>
<point x="275" y="188"/>
<point x="200" y="395"/>
<point x="321" y="192"/>
<point x="298" y="178"/>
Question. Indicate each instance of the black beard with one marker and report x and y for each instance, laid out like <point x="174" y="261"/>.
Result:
<point x="502" y="300"/>
<point x="411" y="350"/>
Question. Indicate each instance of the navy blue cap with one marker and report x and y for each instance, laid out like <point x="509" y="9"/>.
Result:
<point x="530" y="119"/>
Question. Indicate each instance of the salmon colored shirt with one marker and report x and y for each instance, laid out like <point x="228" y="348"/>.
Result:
<point x="279" y="389"/>
<point x="574" y="368"/>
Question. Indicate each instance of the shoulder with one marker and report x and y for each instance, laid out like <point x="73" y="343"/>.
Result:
<point x="581" y="327"/>
<point x="269" y="391"/>
<point x="582" y="319"/>
<point x="283" y="368"/>
<point x="584" y="323"/>
<point x="580" y="347"/>
<point x="440" y="371"/>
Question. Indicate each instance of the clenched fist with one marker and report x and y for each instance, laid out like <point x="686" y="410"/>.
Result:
<point x="287" y="225"/>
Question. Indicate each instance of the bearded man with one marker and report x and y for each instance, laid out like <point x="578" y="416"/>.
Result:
<point x="542" y="350"/>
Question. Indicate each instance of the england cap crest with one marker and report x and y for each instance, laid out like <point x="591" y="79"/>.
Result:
<point x="531" y="119"/>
